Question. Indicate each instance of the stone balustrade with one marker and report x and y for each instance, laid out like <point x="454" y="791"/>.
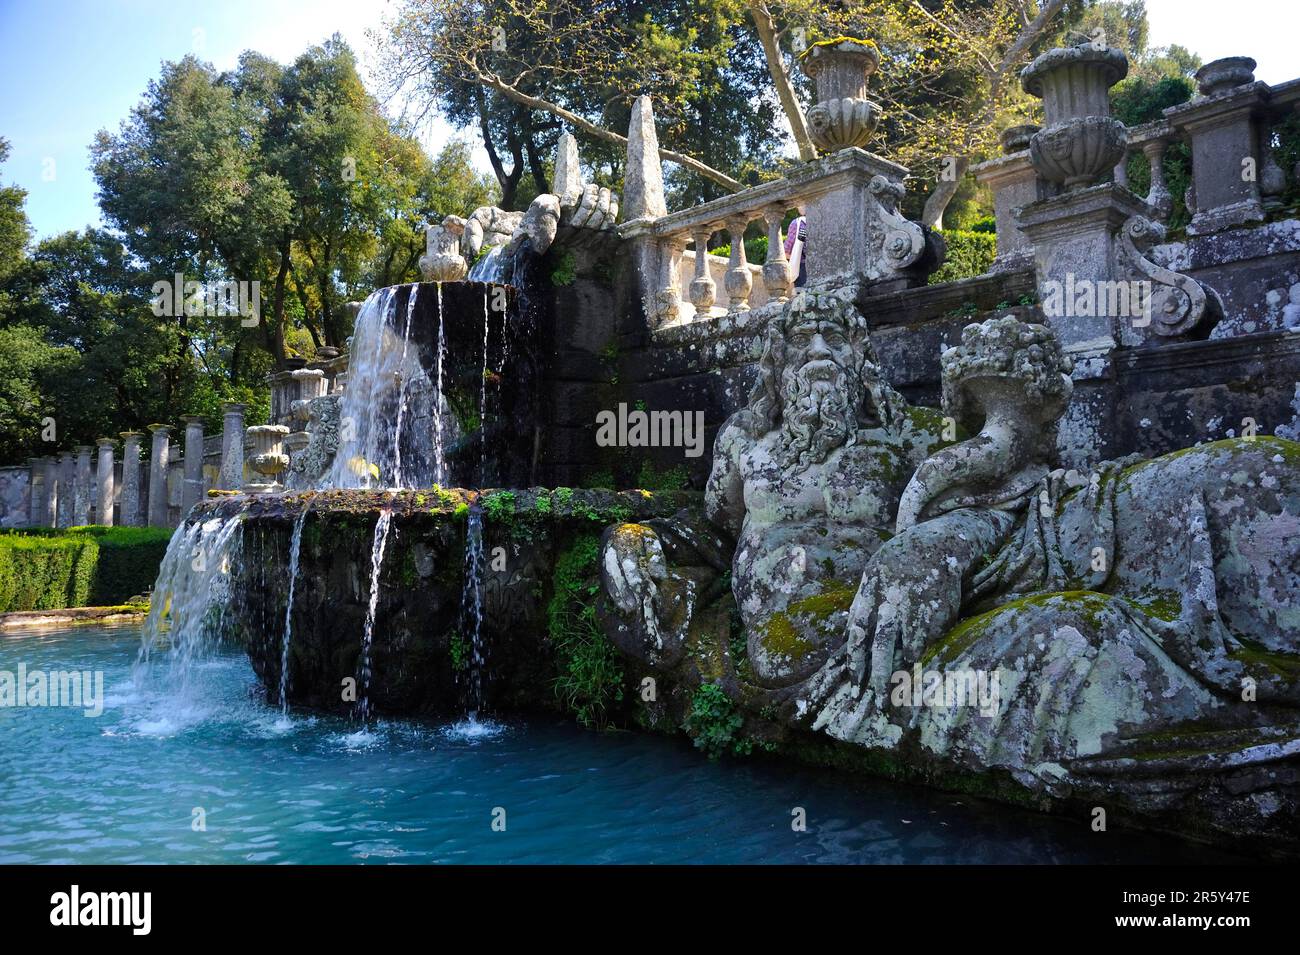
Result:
<point x="849" y="199"/>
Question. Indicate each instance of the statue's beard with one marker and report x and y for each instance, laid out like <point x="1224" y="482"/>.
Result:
<point x="817" y="412"/>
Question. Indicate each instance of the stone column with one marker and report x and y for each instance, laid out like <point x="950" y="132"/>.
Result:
<point x="36" y="492"/>
<point x="158" y="474"/>
<point x="738" y="282"/>
<point x="131" y="516"/>
<point x="67" y="488"/>
<point x="776" y="270"/>
<point x="104" y="476"/>
<point x="81" y="487"/>
<point x="193" y="491"/>
<point x="232" y="447"/>
<point x="50" y="465"/>
<point x="703" y="290"/>
<point x="669" y="297"/>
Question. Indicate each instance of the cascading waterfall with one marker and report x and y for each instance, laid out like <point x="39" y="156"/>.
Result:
<point x="362" y="404"/>
<point x="387" y="388"/>
<point x="192" y="595"/>
<point x="368" y="631"/>
<point x="402" y="388"/>
<point x="295" y="547"/>
<point x="439" y="454"/>
<point x="471" y="608"/>
<point x="490" y="268"/>
<point x="482" y="395"/>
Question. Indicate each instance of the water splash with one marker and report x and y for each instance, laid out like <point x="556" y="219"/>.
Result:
<point x="295" y="547"/>
<point x="368" y="631"/>
<point x="193" y="593"/>
<point x="471" y="608"/>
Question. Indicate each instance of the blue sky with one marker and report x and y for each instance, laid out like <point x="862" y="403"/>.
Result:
<point x="71" y="67"/>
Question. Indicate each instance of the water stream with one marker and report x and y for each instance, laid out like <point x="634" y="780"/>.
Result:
<point x="368" y="631"/>
<point x="471" y="610"/>
<point x="295" y="547"/>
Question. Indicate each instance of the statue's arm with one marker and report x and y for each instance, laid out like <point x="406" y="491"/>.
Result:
<point x="724" y="495"/>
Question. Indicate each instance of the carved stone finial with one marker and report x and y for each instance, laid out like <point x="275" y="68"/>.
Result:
<point x="643" y="183"/>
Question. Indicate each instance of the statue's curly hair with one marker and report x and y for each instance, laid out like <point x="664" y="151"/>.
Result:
<point x="882" y="406"/>
<point x="1007" y="348"/>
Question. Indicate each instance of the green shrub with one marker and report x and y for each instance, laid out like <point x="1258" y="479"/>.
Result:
<point x="591" y="678"/>
<point x="969" y="254"/>
<point x="755" y="250"/>
<point x="713" y="723"/>
<point x="51" y="569"/>
<point x="46" y="572"/>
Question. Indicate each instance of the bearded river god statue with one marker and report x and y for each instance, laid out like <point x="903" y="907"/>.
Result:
<point x="1126" y="639"/>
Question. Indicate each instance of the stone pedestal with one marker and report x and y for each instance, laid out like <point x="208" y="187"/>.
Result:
<point x="82" y="487"/>
<point x="67" y="489"/>
<point x="1076" y="241"/>
<point x="1014" y="184"/>
<point x="1223" y="125"/>
<point x="192" y="492"/>
<point x="231" y="477"/>
<point x="851" y="235"/>
<point x="131" y="514"/>
<point x="268" y="459"/>
<point x="159" y="453"/>
<point x="105" y="481"/>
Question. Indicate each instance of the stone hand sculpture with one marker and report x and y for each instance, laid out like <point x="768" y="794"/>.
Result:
<point x="576" y="213"/>
<point x="488" y="226"/>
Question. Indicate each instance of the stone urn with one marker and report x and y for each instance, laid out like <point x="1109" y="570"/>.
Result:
<point x="842" y="116"/>
<point x="442" y="260"/>
<point x="1219" y="76"/>
<point x="267" y="458"/>
<point x="1080" y="141"/>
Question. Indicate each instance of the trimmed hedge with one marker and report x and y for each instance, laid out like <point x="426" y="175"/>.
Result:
<point x="969" y="254"/>
<point x="48" y="569"/>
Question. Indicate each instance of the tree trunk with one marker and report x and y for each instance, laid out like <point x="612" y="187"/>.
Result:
<point x="766" y="28"/>
<point x="943" y="192"/>
<point x="275" y="330"/>
<point x="508" y="182"/>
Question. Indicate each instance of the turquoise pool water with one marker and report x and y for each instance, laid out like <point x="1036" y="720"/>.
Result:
<point x="126" y="787"/>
